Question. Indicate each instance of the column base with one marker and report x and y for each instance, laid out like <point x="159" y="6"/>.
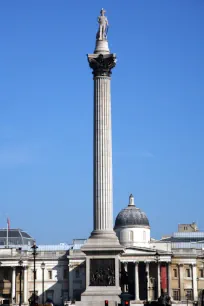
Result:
<point x="102" y="241"/>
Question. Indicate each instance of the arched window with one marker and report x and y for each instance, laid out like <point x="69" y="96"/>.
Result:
<point x="144" y="236"/>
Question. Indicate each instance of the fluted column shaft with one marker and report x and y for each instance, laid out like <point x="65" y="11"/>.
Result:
<point x="195" y="285"/>
<point x="158" y="279"/>
<point x="137" y="296"/>
<point x="169" y="278"/>
<point x="25" y="284"/>
<point x="103" y="198"/>
<point x="13" y="284"/>
<point x="147" y="275"/>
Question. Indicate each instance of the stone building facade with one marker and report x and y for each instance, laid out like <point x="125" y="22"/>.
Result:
<point x="148" y="267"/>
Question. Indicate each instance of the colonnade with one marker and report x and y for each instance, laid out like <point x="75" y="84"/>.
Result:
<point x="157" y="279"/>
<point x="25" y="285"/>
<point x="182" y="277"/>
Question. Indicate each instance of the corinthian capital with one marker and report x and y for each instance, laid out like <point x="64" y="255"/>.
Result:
<point x="102" y="64"/>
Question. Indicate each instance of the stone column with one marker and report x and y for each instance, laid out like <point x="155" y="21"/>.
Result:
<point x="14" y="284"/>
<point x="25" y="285"/>
<point x="103" y="193"/>
<point x="87" y="274"/>
<point x="147" y="274"/>
<point x="180" y="269"/>
<point x="137" y="293"/>
<point x="125" y="289"/>
<point x="195" y="285"/>
<point x="71" y="281"/>
<point x="158" y="279"/>
<point x="169" y="277"/>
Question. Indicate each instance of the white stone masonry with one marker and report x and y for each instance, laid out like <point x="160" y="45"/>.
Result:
<point x="103" y="194"/>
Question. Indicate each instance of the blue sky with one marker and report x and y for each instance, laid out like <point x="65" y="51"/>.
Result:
<point x="46" y="109"/>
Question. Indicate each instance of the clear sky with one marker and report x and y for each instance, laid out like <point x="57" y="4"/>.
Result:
<point x="46" y="113"/>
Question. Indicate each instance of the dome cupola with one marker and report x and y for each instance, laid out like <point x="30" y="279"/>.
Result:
<point x="132" y="225"/>
<point x="131" y="216"/>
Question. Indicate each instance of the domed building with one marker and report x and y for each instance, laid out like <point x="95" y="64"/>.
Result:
<point x="132" y="226"/>
<point x="15" y="237"/>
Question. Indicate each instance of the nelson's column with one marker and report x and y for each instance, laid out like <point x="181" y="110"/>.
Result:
<point x="102" y="249"/>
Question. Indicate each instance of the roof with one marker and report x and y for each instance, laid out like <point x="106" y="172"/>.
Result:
<point x="131" y="216"/>
<point x="15" y="237"/>
<point x="185" y="237"/>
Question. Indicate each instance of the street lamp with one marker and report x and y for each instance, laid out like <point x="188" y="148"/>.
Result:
<point x="34" y="247"/>
<point x="21" y="266"/>
<point x="43" y="293"/>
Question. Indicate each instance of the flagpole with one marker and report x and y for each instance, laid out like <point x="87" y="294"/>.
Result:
<point x="7" y="235"/>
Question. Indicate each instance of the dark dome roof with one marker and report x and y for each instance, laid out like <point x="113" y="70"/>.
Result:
<point x="15" y="237"/>
<point x="131" y="216"/>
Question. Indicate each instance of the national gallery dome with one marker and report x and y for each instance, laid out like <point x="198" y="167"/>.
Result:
<point x="131" y="216"/>
<point x="132" y="225"/>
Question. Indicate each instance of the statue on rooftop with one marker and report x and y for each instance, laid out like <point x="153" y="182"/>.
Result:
<point x="103" y="26"/>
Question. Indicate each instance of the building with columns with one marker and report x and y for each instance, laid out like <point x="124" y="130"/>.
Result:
<point x="147" y="267"/>
<point x="52" y="274"/>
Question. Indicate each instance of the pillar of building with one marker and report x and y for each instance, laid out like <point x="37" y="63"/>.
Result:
<point x="13" y="284"/>
<point x="71" y="279"/>
<point x="147" y="279"/>
<point x="169" y="278"/>
<point x="137" y="292"/>
<point x="195" y="285"/>
<point x="25" y="285"/>
<point x="125" y="288"/>
<point x="158" y="279"/>
<point x="181" y="290"/>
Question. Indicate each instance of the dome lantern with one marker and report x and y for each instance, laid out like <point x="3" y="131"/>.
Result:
<point x="131" y="200"/>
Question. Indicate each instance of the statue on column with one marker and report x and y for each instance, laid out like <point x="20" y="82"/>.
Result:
<point x="103" y="26"/>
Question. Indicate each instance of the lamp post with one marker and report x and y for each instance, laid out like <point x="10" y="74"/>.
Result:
<point x="43" y="280"/>
<point x="21" y="266"/>
<point x="34" y="247"/>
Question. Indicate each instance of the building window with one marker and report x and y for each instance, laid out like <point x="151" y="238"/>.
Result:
<point x="201" y="273"/>
<point x="188" y="273"/>
<point x="175" y="273"/>
<point x="77" y="273"/>
<point x="189" y="294"/>
<point x="144" y="236"/>
<point x="50" y="274"/>
<point x="176" y="295"/>
<point x="66" y="274"/>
